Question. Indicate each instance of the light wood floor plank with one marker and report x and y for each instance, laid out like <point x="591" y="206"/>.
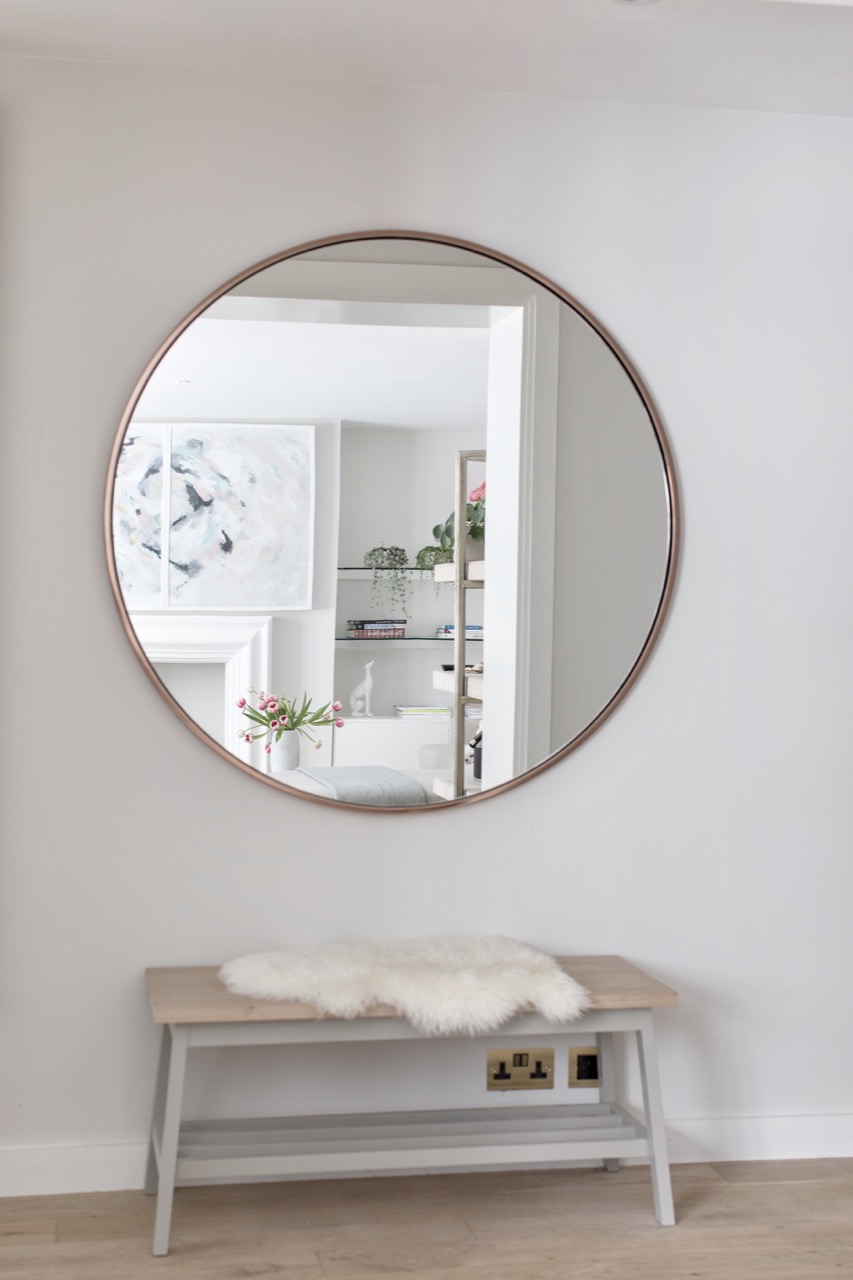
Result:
<point x="784" y="1170"/>
<point x="776" y="1221"/>
<point x="23" y="1232"/>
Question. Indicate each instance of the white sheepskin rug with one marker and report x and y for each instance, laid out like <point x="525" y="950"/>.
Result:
<point x="442" y="985"/>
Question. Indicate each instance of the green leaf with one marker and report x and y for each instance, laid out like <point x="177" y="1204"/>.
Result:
<point x="257" y="716"/>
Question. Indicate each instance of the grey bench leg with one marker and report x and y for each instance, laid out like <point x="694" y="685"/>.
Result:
<point x="607" y="1082"/>
<point x="653" y="1106"/>
<point x="175" y="1052"/>
<point x="159" y="1107"/>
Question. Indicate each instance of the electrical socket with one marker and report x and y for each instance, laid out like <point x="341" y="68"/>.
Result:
<point x="583" y="1067"/>
<point x="527" y="1068"/>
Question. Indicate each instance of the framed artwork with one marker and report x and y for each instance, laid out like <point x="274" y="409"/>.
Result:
<point x="211" y="516"/>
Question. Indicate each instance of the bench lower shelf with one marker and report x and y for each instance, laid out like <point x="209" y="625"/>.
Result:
<point x="210" y="1151"/>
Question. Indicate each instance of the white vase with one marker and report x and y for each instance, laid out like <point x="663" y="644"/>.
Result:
<point x="284" y="755"/>
<point x="474" y="550"/>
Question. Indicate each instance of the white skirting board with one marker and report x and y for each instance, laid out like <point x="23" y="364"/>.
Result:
<point x="120" y="1166"/>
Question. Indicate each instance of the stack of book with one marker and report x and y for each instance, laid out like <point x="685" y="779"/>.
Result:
<point x="422" y="713"/>
<point x="448" y="631"/>
<point x="376" y="629"/>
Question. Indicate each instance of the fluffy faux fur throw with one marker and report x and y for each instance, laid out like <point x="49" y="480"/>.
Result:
<point x="442" y="985"/>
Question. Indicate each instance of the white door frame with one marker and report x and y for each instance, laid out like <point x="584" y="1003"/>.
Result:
<point x="486" y="286"/>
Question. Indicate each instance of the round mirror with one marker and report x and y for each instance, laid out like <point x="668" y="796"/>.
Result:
<point x="391" y="521"/>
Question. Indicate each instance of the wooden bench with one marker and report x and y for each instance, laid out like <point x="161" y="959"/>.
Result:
<point x="197" y="1012"/>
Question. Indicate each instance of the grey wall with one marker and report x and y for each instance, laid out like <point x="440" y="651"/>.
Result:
<point x="703" y="832"/>
<point x="612" y="530"/>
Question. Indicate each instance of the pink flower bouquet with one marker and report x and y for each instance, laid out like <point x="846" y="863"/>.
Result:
<point x="272" y="716"/>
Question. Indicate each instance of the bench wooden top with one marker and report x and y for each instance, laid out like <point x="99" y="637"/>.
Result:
<point x="190" y="995"/>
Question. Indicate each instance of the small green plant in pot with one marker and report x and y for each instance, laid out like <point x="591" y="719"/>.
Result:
<point x="388" y="565"/>
<point x="426" y="560"/>
<point x="475" y="521"/>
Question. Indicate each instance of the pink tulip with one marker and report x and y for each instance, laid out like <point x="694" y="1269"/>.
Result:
<point x="248" y="737"/>
<point x="241" y="702"/>
<point x="268" y="748"/>
<point x="339" y="724"/>
<point x="272" y="704"/>
<point x="336" y="706"/>
<point x="478" y="494"/>
<point x="283" y="721"/>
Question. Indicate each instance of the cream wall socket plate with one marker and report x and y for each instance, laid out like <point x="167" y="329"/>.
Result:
<point x="583" y="1067"/>
<point x="527" y="1068"/>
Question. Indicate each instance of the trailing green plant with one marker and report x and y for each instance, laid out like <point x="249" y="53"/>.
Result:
<point x="428" y="557"/>
<point x="388" y="565"/>
<point x="426" y="560"/>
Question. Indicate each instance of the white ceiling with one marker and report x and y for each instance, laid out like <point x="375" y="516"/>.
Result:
<point x="428" y="376"/>
<point x="776" y="55"/>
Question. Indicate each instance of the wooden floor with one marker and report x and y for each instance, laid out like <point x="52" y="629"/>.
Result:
<point x="789" y="1220"/>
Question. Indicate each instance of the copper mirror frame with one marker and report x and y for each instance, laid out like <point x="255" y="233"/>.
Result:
<point x="660" y="439"/>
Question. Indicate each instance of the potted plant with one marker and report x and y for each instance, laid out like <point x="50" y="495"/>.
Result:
<point x="475" y="523"/>
<point x="282" y="721"/>
<point x="426" y="560"/>
<point x="388" y="565"/>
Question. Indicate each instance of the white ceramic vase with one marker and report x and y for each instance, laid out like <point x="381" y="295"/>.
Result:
<point x="474" y="550"/>
<point x="284" y="755"/>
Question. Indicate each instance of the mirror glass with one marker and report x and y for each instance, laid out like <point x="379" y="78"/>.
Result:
<point x="409" y="501"/>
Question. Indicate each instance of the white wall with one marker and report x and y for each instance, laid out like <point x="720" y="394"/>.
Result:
<point x="703" y="832"/>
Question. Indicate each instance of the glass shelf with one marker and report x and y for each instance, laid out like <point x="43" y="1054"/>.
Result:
<point x="411" y="642"/>
<point x="357" y="573"/>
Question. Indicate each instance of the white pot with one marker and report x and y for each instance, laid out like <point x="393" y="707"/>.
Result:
<point x="284" y="755"/>
<point x="474" y="550"/>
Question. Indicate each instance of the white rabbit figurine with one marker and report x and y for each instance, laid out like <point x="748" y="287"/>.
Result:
<point x="359" y="699"/>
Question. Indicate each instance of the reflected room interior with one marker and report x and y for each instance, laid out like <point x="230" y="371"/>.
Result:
<point x="287" y="497"/>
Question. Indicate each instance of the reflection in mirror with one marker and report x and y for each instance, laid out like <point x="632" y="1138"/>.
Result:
<point x="412" y="492"/>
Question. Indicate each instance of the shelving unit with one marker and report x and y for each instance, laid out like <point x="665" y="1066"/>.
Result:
<point x="392" y="741"/>
<point x="466" y="575"/>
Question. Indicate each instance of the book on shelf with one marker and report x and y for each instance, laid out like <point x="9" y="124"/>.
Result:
<point x="376" y="633"/>
<point x="366" y="624"/>
<point x="448" y="631"/>
<point x="422" y="713"/>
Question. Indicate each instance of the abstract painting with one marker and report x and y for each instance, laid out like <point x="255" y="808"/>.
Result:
<point x="233" y="528"/>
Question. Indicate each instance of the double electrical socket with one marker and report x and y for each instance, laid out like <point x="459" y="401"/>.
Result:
<point x="520" y="1068"/>
<point x="533" y="1068"/>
